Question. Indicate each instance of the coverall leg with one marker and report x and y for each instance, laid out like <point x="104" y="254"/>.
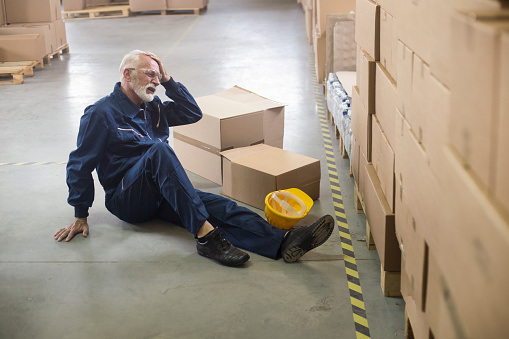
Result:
<point x="157" y="186"/>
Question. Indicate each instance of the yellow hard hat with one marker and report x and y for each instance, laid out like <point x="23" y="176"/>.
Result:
<point x="284" y="208"/>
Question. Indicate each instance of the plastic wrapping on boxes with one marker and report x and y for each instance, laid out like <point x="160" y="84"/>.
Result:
<point x="338" y="103"/>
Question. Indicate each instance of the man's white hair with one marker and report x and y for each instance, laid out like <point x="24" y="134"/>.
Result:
<point x="130" y="60"/>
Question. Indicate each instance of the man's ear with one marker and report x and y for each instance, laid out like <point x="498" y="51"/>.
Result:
<point x="127" y="74"/>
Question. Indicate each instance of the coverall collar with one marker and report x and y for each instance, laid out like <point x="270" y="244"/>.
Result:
<point x="127" y="106"/>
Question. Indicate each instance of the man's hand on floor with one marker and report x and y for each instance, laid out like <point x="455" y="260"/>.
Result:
<point x="79" y="225"/>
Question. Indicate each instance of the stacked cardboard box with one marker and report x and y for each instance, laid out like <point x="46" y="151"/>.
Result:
<point x="231" y="119"/>
<point x="373" y="161"/>
<point x="2" y="14"/>
<point x="341" y="49"/>
<point x="238" y="144"/>
<point x="35" y="30"/>
<point x="434" y="136"/>
<point x="321" y="9"/>
<point x="163" y="5"/>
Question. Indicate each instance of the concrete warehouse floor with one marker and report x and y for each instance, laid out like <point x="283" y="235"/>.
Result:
<point x="146" y="280"/>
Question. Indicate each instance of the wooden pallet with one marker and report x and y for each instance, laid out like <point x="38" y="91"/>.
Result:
<point x="180" y="11"/>
<point x="184" y="11"/>
<point x="358" y="203"/>
<point x="390" y="282"/>
<point x="370" y="241"/>
<point x="98" y="12"/>
<point x="62" y="50"/>
<point x="11" y="73"/>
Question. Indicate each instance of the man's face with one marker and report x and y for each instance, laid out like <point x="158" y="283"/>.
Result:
<point x="145" y="78"/>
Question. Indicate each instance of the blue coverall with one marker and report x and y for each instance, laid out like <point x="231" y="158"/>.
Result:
<point x="143" y="179"/>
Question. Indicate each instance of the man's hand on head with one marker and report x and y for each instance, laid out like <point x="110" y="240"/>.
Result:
<point x="79" y="225"/>
<point x="162" y="70"/>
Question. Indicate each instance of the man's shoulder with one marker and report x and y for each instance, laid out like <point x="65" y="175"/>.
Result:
<point x="101" y="106"/>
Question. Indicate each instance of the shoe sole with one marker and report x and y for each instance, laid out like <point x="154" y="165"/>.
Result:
<point x="321" y="232"/>
<point x="246" y="259"/>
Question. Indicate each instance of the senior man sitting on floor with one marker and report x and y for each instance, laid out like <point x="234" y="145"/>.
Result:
<point x="124" y="137"/>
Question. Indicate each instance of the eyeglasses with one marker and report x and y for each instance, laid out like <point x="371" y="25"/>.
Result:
<point x="149" y="73"/>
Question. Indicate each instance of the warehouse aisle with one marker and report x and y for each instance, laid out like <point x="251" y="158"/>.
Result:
<point x="146" y="280"/>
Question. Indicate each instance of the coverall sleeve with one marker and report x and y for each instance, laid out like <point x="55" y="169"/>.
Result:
<point x="184" y="109"/>
<point x="92" y="139"/>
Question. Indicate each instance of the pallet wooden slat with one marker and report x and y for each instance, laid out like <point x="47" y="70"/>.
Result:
<point x="98" y="12"/>
<point x="390" y="282"/>
<point x="12" y="73"/>
<point x="196" y="11"/>
<point x="62" y="50"/>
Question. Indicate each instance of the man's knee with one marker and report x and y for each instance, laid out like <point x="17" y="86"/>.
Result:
<point x="163" y="155"/>
<point x="161" y="148"/>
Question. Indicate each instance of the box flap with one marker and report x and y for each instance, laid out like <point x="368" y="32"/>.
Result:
<point x="268" y="159"/>
<point x="223" y="108"/>
<point x="241" y="95"/>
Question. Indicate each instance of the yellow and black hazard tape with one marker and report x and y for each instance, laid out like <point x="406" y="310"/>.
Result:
<point x="354" y="283"/>
<point x="32" y="163"/>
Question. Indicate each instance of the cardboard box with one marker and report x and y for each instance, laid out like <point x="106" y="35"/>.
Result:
<point x="425" y="103"/>
<point x="250" y="173"/>
<point x="405" y="64"/>
<point x="388" y="5"/>
<point x="388" y="44"/>
<point x="433" y="295"/>
<point x="382" y="157"/>
<point x="381" y="222"/>
<point x="385" y="102"/>
<point x="324" y="7"/>
<point x="23" y="11"/>
<point x="366" y="72"/>
<point x="474" y="262"/>
<point x="341" y="49"/>
<point x="367" y="27"/>
<point x="501" y="188"/>
<point x="186" y="4"/>
<point x="413" y="251"/>
<point x="435" y="133"/>
<point x="73" y="5"/>
<point x="232" y="118"/>
<point x="147" y="5"/>
<point x="413" y="26"/>
<point x="2" y="15"/>
<point x="420" y="104"/>
<point x="22" y="47"/>
<point x="473" y="122"/>
<point x="422" y="189"/>
<point x="416" y="325"/>
<point x="361" y="124"/>
<point x="47" y="31"/>
<point x="96" y="3"/>
<point x="354" y="160"/>
<point x="442" y="53"/>
<point x="61" y="33"/>
<point x="308" y="15"/>
<point x="345" y="48"/>
<point x="348" y="80"/>
<point x="363" y="176"/>
<point x="320" y="49"/>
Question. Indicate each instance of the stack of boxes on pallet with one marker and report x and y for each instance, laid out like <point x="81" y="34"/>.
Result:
<point x="321" y="35"/>
<point x="73" y="8"/>
<point x="30" y="30"/>
<point x="76" y="5"/>
<point x="164" y="5"/>
<point x="429" y="116"/>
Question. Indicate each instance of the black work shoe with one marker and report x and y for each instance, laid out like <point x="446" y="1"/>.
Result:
<point x="304" y="239"/>
<point x="216" y="247"/>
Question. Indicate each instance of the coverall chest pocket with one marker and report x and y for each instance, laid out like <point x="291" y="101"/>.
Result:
<point x="129" y="135"/>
